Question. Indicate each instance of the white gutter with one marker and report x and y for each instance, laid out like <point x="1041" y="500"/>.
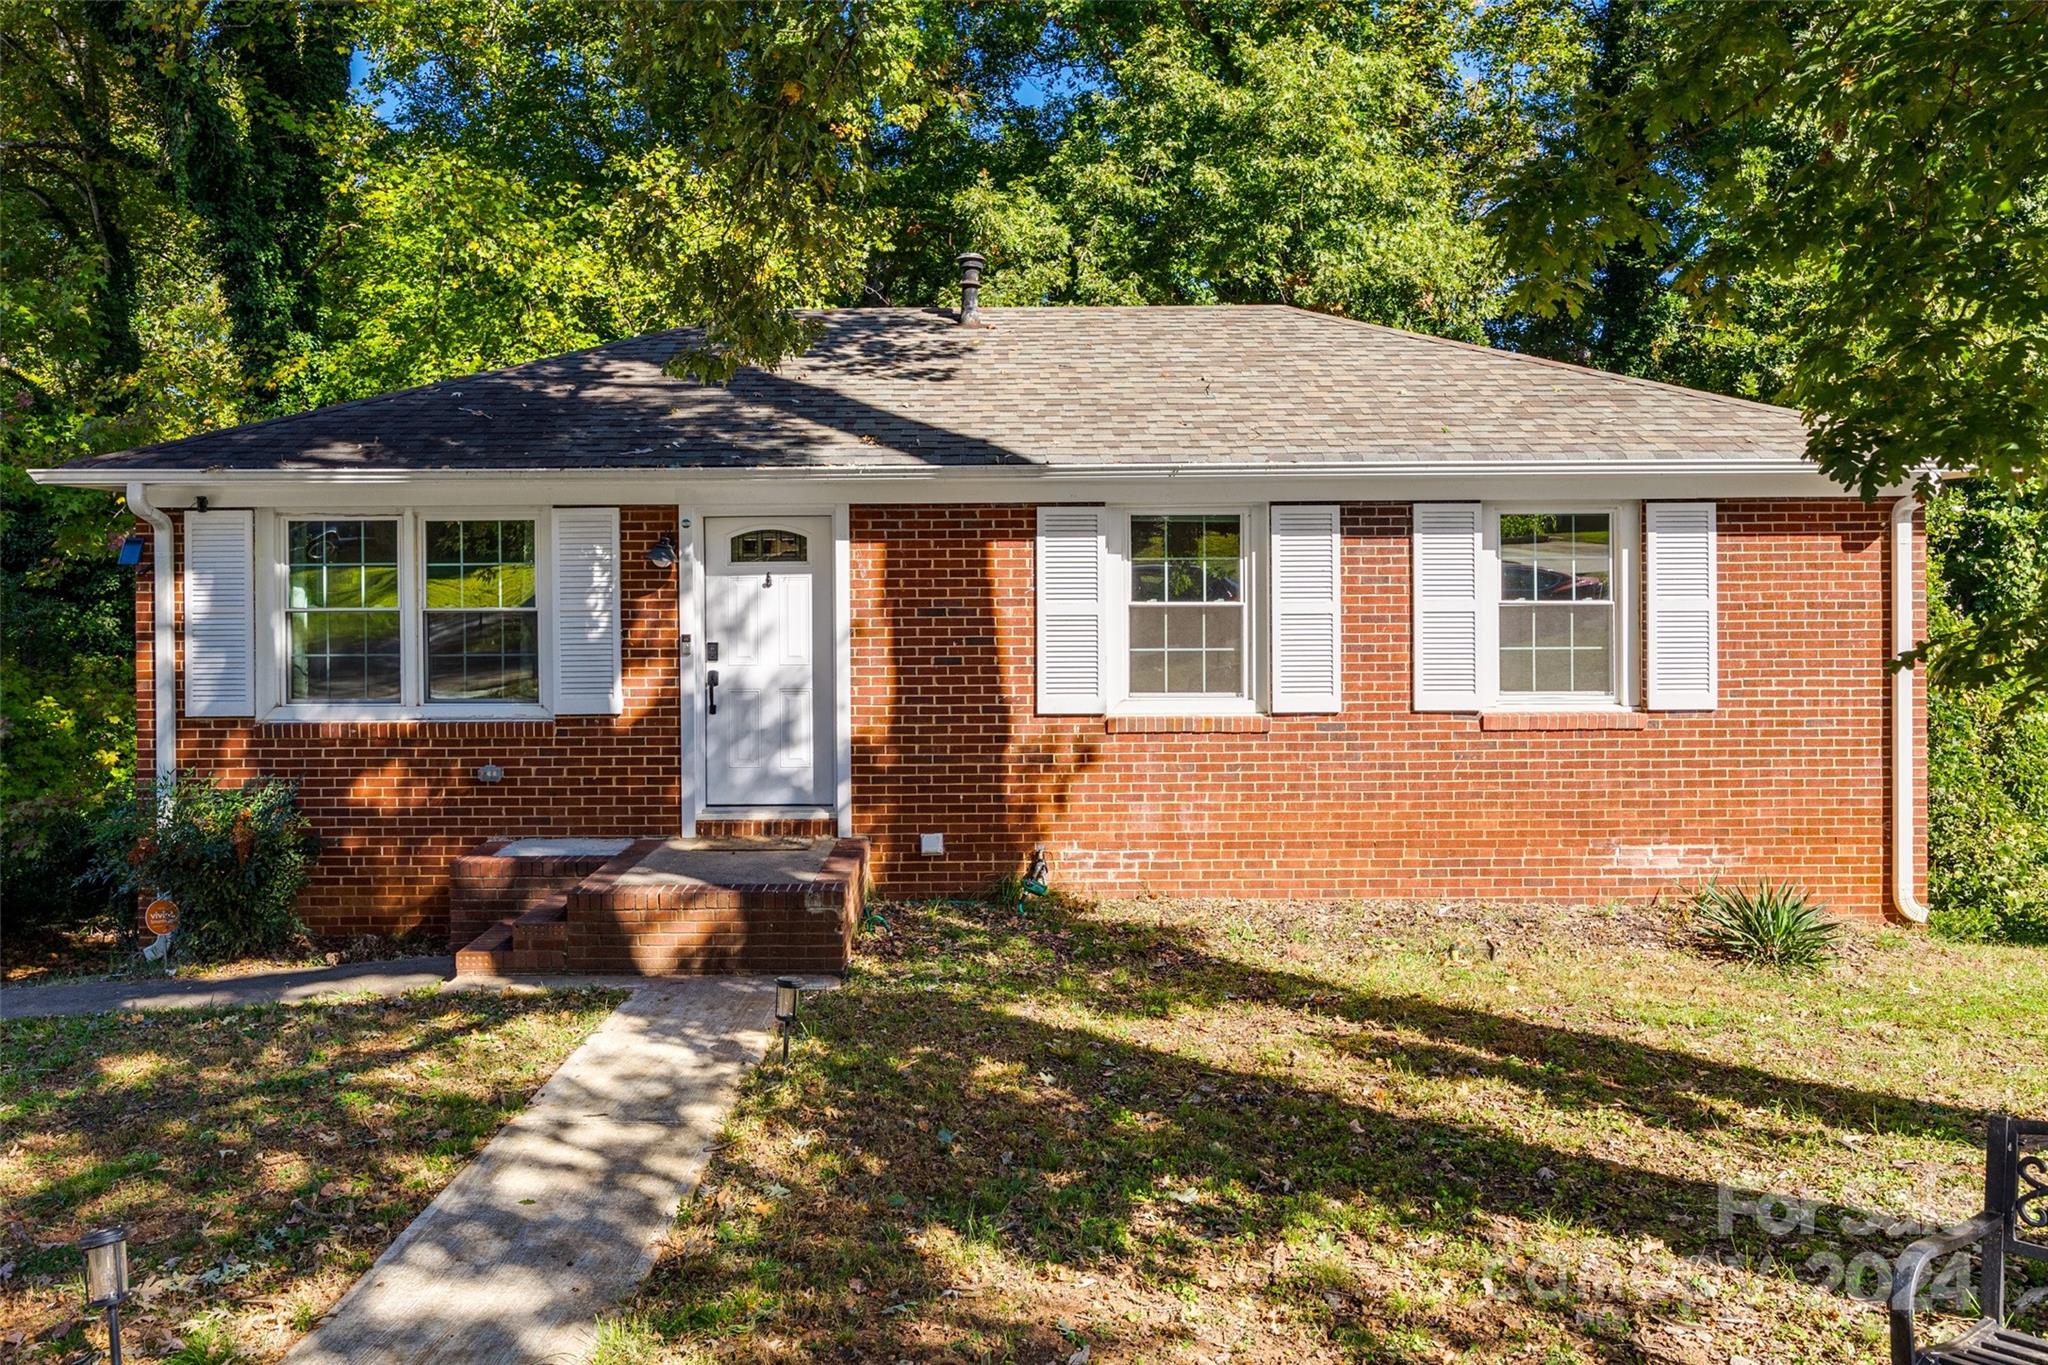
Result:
<point x="910" y="469"/>
<point x="1904" y="772"/>
<point x="163" y="620"/>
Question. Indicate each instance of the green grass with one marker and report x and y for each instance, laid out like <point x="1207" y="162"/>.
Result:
<point x="1343" y="1133"/>
<point x="261" y="1158"/>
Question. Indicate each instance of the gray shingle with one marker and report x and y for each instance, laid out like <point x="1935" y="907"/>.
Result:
<point x="1075" y="387"/>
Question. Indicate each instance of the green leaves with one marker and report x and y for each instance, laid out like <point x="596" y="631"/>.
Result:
<point x="771" y="111"/>
<point x="1884" y="164"/>
<point x="1768" y="926"/>
<point x="1295" y="170"/>
<point x="1890" y="158"/>
<point x="233" y="858"/>
<point x="1987" y="765"/>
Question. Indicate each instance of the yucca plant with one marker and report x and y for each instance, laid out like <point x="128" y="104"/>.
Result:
<point x="1771" y="926"/>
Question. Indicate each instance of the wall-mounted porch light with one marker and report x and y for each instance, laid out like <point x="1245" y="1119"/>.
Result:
<point x="106" y="1280"/>
<point x="662" y="553"/>
<point x="789" y="1000"/>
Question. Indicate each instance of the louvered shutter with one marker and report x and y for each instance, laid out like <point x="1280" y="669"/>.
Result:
<point x="1449" y="622"/>
<point x="1680" y="591"/>
<point x="586" y="598"/>
<point x="220" y="614"/>
<point x="1307" y="609"/>
<point x="1073" y="591"/>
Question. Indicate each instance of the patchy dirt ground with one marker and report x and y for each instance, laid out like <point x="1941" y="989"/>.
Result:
<point x="1213" y="1131"/>
<point x="260" y="1158"/>
<point x="52" y="952"/>
<point x="45" y="954"/>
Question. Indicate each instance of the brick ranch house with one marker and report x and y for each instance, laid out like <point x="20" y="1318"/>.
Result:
<point x="1232" y="601"/>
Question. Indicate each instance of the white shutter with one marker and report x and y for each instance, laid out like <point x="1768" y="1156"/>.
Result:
<point x="1308" y="607"/>
<point x="1073" y="592"/>
<point x="586" y="597"/>
<point x="220" y="614"/>
<point x="1680" y="591"/>
<point x="1449" y="606"/>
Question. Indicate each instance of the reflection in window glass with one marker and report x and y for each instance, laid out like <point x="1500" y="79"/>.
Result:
<point x="482" y="618"/>
<point x="1557" y="603"/>
<point x="769" y="547"/>
<point x="1187" y="608"/>
<point x="341" y="611"/>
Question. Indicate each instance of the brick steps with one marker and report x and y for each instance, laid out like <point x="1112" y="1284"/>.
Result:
<point x="619" y="919"/>
<point x="487" y="953"/>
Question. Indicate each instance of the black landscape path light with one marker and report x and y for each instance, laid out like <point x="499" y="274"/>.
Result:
<point x="789" y="1000"/>
<point x="106" y="1280"/>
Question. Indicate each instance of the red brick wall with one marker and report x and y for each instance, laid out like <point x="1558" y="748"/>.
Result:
<point x="1788" y="778"/>
<point x="397" y="802"/>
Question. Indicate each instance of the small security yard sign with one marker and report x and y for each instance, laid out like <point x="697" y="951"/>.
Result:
<point x="160" y="917"/>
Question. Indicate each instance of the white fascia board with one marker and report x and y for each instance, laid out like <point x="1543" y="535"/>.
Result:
<point x="711" y="490"/>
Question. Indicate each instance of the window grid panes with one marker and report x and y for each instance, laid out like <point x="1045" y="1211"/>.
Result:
<point x="1557" y="603"/>
<point x="341" y="611"/>
<point x="482" y="618"/>
<point x="769" y="547"/>
<point x="1187" y="606"/>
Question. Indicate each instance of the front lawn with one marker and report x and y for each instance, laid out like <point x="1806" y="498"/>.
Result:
<point x="1182" y="1132"/>
<point x="260" y="1158"/>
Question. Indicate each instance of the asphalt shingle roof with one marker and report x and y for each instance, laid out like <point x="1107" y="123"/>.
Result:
<point x="1061" y="387"/>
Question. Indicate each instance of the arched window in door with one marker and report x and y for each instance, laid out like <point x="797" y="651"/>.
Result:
<point x="770" y="547"/>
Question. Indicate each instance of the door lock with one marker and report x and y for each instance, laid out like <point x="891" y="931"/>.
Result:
<point x="711" y="651"/>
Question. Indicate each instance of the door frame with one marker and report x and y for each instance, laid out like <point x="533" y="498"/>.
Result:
<point x="692" y="587"/>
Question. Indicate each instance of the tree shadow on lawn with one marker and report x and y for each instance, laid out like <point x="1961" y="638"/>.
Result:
<point x="179" y="1119"/>
<point x="947" y="1121"/>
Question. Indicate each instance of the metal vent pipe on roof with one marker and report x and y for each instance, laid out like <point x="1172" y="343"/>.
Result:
<point x="970" y="263"/>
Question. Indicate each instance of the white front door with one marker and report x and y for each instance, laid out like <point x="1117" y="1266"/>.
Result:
<point x="767" y="661"/>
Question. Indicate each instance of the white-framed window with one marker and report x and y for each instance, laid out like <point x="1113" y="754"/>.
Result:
<point x="343" y="619"/>
<point x="408" y="613"/>
<point x="1184" y="613"/>
<point x="1190" y="610"/>
<point x="1558" y="587"/>
<point x="1188" y="624"/>
<point x="481" y="613"/>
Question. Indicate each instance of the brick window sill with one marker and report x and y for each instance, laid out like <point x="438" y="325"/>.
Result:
<point x="1563" y="720"/>
<point x="1187" y="725"/>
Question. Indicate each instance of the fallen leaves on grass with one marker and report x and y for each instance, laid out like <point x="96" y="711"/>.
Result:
<point x="1185" y="1131"/>
<point x="260" y="1158"/>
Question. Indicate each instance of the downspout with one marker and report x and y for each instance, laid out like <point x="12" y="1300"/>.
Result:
<point x="1904" y="770"/>
<point x="164" y="626"/>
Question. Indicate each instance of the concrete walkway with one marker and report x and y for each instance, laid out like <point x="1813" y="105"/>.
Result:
<point x="288" y="986"/>
<point x="557" y="1217"/>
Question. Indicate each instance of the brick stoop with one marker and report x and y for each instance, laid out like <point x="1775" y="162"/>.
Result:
<point x="486" y="885"/>
<point x="677" y="925"/>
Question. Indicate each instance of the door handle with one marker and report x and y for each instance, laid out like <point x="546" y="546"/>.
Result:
<point x="711" y="692"/>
